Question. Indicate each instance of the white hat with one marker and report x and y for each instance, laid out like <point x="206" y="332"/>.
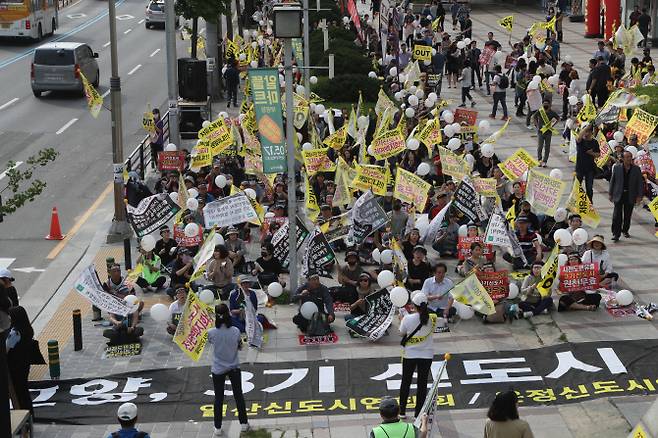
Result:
<point x="127" y="411"/>
<point x="419" y="299"/>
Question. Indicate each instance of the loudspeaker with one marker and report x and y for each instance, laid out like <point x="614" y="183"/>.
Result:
<point x="192" y="83"/>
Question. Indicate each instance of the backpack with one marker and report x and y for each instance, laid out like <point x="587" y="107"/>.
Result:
<point x="319" y="326"/>
<point x="504" y="82"/>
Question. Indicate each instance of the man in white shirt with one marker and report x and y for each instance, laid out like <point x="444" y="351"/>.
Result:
<point x="437" y="289"/>
<point x="176" y="309"/>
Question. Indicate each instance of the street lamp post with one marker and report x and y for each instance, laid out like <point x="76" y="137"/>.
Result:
<point x="287" y="25"/>
<point x="172" y="73"/>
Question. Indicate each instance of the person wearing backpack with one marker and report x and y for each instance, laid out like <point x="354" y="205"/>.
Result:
<point x="501" y="83"/>
<point x="127" y="416"/>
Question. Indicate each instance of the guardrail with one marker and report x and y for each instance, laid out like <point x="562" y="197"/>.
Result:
<point x="141" y="158"/>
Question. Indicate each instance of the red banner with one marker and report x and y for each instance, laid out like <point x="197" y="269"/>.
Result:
<point x="464" y="247"/>
<point x="354" y="15"/>
<point x="182" y="240"/>
<point x="496" y="284"/>
<point x="486" y="55"/>
<point x="466" y="115"/>
<point x="174" y="160"/>
<point x="577" y="278"/>
<point x="645" y="163"/>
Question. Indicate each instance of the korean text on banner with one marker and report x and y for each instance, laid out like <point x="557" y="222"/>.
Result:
<point x="370" y="177"/>
<point x="496" y="283"/>
<point x="281" y="243"/>
<point x="497" y="232"/>
<point x="464" y="247"/>
<point x="411" y="188"/>
<point x="383" y="103"/>
<point x="89" y="286"/>
<point x="192" y="331"/>
<point x="485" y="187"/>
<point x="543" y="192"/>
<point x="317" y="160"/>
<point x="267" y="105"/>
<point x="171" y="160"/>
<point x="469" y="116"/>
<point x="151" y="213"/>
<point x="388" y="144"/>
<point x="517" y="164"/>
<point x="581" y="277"/>
<point x="367" y="216"/>
<point x="378" y="317"/>
<point x="471" y="292"/>
<point x="422" y="53"/>
<point x="549" y="273"/>
<point x="453" y="165"/>
<point x="507" y="22"/>
<point x="217" y="136"/>
<point x="642" y="124"/>
<point x="234" y="209"/>
<point x="579" y="203"/>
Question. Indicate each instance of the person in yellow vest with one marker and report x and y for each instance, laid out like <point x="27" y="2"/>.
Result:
<point x="393" y="427"/>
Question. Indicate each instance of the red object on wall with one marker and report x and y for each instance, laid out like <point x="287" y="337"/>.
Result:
<point x="612" y="17"/>
<point x="592" y="18"/>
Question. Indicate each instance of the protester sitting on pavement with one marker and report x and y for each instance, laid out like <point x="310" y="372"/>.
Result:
<point x="136" y="190"/>
<point x="181" y="270"/>
<point x="220" y="271"/>
<point x="475" y="260"/>
<point x="267" y="267"/>
<point x="529" y="243"/>
<point x="348" y="277"/>
<point x="503" y="418"/>
<point x="364" y="288"/>
<point x="599" y="255"/>
<point x="580" y="300"/>
<point x="526" y="210"/>
<point x="116" y="285"/>
<point x="164" y="247"/>
<point x="532" y="302"/>
<point x="124" y="330"/>
<point x="393" y="427"/>
<point x="176" y="308"/>
<point x="237" y="303"/>
<point x="408" y="245"/>
<point x="437" y="289"/>
<point x="127" y="416"/>
<point x="315" y="292"/>
<point x="6" y="284"/>
<point x="447" y="238"/>
<point x="151" y="279"/>
<point x="418" y="269"/>
<point x="236" y="248"/>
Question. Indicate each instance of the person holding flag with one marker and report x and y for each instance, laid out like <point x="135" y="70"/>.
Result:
<point x="532" y="302"/>
<point x="545" y="119"/>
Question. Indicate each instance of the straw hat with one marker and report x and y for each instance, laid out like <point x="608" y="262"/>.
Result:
<point x="597" y="238"/>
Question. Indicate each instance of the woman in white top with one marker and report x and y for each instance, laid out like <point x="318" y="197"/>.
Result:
<point x="599" y="255"/>
<point x="417" y="330"/>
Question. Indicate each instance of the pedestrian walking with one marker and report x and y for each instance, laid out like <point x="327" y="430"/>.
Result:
<point x="127" y="416"/>
<point x="500" y="85"/>
<point x="545" y="119"/>
<point x="232" y="78"/>
<point x="466" y="81"/>
<point x="625" y="191"/>
<point x="503" y="418"/>
<point x="226" y="342"/>
<point x="644" y="24"/>
<point x="587" y="149"/>
<point x="393" y="427"/>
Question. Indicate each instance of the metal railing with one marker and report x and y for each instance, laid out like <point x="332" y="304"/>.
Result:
<point x="141" y="157"/>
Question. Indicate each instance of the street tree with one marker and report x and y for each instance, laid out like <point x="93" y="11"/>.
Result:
<point x="209" y="10"/>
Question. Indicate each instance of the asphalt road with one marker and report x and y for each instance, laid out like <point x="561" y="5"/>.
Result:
<point x="84" y="167"/>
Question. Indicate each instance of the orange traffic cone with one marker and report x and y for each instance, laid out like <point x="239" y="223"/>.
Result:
<point x="55" y="229"/>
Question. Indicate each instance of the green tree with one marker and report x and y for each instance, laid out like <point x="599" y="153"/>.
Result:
<point x="209" y="10"/>
<point x="17" y="186"/>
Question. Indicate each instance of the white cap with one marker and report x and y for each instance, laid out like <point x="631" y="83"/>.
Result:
<point x="419" y="298"/>
<point x="127" y="411"/>
<point x="6" y="273"/>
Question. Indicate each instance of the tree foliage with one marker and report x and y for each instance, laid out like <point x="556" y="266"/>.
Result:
<point x="209" y="10"/>
<point x="19" y="192"/>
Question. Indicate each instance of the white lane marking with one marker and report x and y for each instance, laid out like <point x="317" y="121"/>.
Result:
<point x="474" y="398"/>
<point x="104" y="95"/>
<point x="155" y="52"/>
<point x="3" y="174"/>
<point x="29" y="269"/>
<point x="15" y="99"/>
<point x="127" y="31"/>
<point x="6" y="262"/>
<point x="67" y="126"/>
<point x="107" y="43"/>
<point x="137" y="67"/>
<point x="125" y="17"/>
<point x="141" y="21"/>
<point x="76" y="16"/>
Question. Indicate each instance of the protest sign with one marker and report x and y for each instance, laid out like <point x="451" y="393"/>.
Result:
<point x="549" y="273"/>
<point x="148" y="121"/>
<point x="435" y="225"/>
<point x="646" y="165"/>
<point x="318" y="254"/>
<point x="123" y="350"/>
<point x="497" y="232"/>
<point x="383" y="103"/>
<point x="200" y="157"/>
<point x="486" y="55"/>
<point x="231" y="210"/>
<point x="641" y="124"/>
<point x="204" y="254"/>
<point x="316" y="160"/>
<point x="89" y="286"/>
<point x="653" y="207"/>
<point x="543" y="192"/>
<point x="467" y="116"/>
<point x="517" y="164"/>
<point x="367" y="216"/>
<point x="192" y="331"/>
<point x="338" y="138"/>
<point x="430" y="134"/>
<point x="485" y="186"/>
<point x="507" y="22"/>
<point x="411" y="188"/>
<point x="151" y="213"/>
<point x="171" y="160"/>
<point x="217" y="136"/>
<point x="609" y="114"/>
<point x="453" y="165"/>
<point x="378" y="317"/>
<point x="281" y="243"/>
<point x="182" y="240"/>
<point x="253" y="164"/>
<point x="370" y="177"/>
<point x="580" y="277"/>
<point x="604" y="150"/>
<point x="495" y="283"/>
<point x="344" y="176"/>
<point x="388" y="144"/>
<point x="466" y="200"/>
<point x="94" y="99"/>
<point x="300" y="111"/>
<point x="579" y="203"/>
<point x="422" y="53"/>
<point x="266" y="96"/>
<point x="464" y="247"/>
<point x="471" y="292"/>
<point x="253" y="328"/>
<point x="337" y="227"/>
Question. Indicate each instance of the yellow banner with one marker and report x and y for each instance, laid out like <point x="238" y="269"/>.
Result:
<point x="453" y="165"/>
<point x="422" y="53"/>
<point x="485" y="186"/>
<point x="384" y="102"/>
<point x="543" y="192"/>
<point x="192" y="331"/>
<point x="411" y="188"/>
<point x="517" y="164"/>
<point x="642" y="124"/>
<point x="344" y="175"/>
<point x="338" y="138"/>
<point x="201" y="157"/>
<point x="549" y="273"/>
<point x="388" y="144"/>
<point x="316" y="160"/>
<point x="471" y="292"/>
<point x="430" y="134"/>
<point x="588" y="112"/>
<point x="217" y="135"/>
<point x="507" y="22"/>
<point x="310" y="200"/>
<point x="496" y="135"/>
<point x="369" y="177"/>
<point x="94" y="99"/>
<point x="148" y="121"/>
<point x="579" y="203"/>
<point x="653" y="207"/>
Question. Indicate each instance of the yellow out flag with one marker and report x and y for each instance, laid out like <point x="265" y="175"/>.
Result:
<point x="148" y="121"/>
<point x="471" y="292"/>
<point x="192" y="331"/>
<point x="579" y="203"/>
<point x="511" y="215"/>
<point x="311" y="201"/>
<point x="548" y="273"/>
<point x="338" y="138"/>
<point x="588" y="112"/>
<point x="507" y="22"/>
<point x="94" y="99"/>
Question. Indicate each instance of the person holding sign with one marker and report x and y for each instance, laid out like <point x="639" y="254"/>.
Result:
<point x="529" y="243"/>
<point x="532" y="302"/>
<point x="587" y="149"/>
<point x="317" y="293"/>
<point x="579" y="300"/>
<point x="176" y="309"/>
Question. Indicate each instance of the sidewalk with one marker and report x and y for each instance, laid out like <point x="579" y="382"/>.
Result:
<point x="612" y="417"/>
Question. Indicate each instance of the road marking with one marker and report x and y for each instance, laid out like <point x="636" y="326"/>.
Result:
<point x="60" y="246"/>
<point x="3" y="174"/>
<point x="104" y="95"/>
<point x="155" y="52"/>
<point x="6" y="262"/>
<point x="15" y="99"/>
<point x="137" y="67"/>
<point x="141" y="21"/>
<point x="76" y="16"/>
<point x="29" y="269"/>
<point x="107" y="43"/>
<point x="65" y="127"/>
<point x="127" y="31"/>
<point x="125" y="17"/>
<point x="474" y="398"/>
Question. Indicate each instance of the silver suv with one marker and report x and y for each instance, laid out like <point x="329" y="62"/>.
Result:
<point x="155" y="14"/>
<point x="57" y="67"/>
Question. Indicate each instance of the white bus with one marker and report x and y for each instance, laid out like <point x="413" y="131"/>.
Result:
<point x="28" y="18"/>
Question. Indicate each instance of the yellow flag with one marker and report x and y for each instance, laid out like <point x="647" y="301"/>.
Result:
<point x="579" y="203"/>
<point x="310" y="201"/>
<point x="507" y="22"/>
<point x="471" y="292"/>
<point x="94" y="99"/>
<point x="148" y="121"/>
<point x="511" y="215"/>
<point x="369" y="177"/>
<point x="338" y="138"/>
<point x="411" y="188"/>
<point x="549" y="273"/>
<point x="192" y="331"/>
<point x="588" y="112"/>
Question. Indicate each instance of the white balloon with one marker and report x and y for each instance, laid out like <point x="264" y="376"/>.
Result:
<point x="393" y="71"/>
<point x="562" y="259"/>
<point x="461" y="45"/>
<point x="423" y="169"/>
<point x="579" y="236"/>
<point x="313" y="80"/>
<point x="254" y="63"/>
<point x="269" y="214"/>
<point x="193" y="192"/>
<point x="275" y="289"/>
<point x="300" y="89"/>
<point x="462" y="231"/>
<point x="469" y="159"/>
<point x="618" y="136"/>
<point x="454" y="143"/>
<point x="419" y="93"/>
<point x="413" y="100"/>
<point x="205" y="124"/>
<point x="533" y="86"/>
<point x="569" y="123"/>
<point x="448" y="116"/>
<point x="220" y="181"/>
<point x="319" y="109"/>
<point x="376" y="255"/>
<point x="632" y="150"/>
<point x="536" y="78"/>
<point x="223" y="115"/>
<point x="573" y="100"/>
<point x="299" y="136"/>
<point x="555" y="173"/>
<point x="624" y="297"/>
<point x="219" y="239"/>
<point x="207" y="296"/>
<point x="484" y="126"/>
<point x="413" y="144"/>
<point x="191" y="229"/>
<point x="612" y="143"/>
<point x="308" y="309"/>
<point x="448" y="131"/>
<point x="160" y="312"/>
<point x="131" y="299"/>
<point x="307" y="146"/>
<point x="433" y="96"/>
<point x="560" y="214"/>
<point x="457" y="128"/>
<point x="385" y="278"/>
<point x="386" y="257"/>
<point x="251" y="193"/>
<point x="171" y="147"/>
<point x="409" y="112"/>
<point x="487" y="150"/>
<point x="399" y="296"/>
<point x="413" y="89"/>
<point x="467" y="41"/>
<point x="429" y="103"/>
<point x="402" y="78"/>
<point x="398" y="95"/>
<point x="362" y="122"/>
<point x="147" y="243"/>
<point x="562" y="237"/>
<point x="192" y="204"/>
<point x="465" y="312"/>
<point x="174" y="196"/>
<point x="513" y="291"/>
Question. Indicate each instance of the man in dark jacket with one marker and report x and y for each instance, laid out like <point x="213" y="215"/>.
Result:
<point x="625" y="190"/>
<point x="9" y="290"/>
<point x="317" y="293"/>
<point x="232" y="78"/>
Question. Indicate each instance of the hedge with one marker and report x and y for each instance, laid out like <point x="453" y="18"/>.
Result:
<point x="652" y="92"/>
<point x="345" y="88"/>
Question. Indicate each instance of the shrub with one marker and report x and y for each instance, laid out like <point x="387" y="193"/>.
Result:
<point x="345" y="88"/>
<point x="332" y="14"/>
<point x="652" y="92"/>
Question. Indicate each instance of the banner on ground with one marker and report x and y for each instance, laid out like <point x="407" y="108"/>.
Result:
<point x="318" y="254"/>
<point x="517" y="164"/>
<point x="317" y="160"/>
<point x="367" y="216"/>
<point x="151" y="213"/>
<point x="231" y="210"/>
<point x="579" y="203"/>
<point x="464" y="247"/>
<point x="471" y="292"/>
<point x="641" y="124"/>
<point x="171" y="160"/>
<point x="580" y="277"/>
<point x="467" y="200"/>
<point x="89" y="286"/>
<point x="453" y="165"/>
<point x="496" y="283"/>
<point x="94" y="99"/>
<point x="411" y="188"/>
<point x="485" y="187"/>
<point x="266" y="96"/>
<point x="378" y="317"/>
<point x="281" y="243"/>
<point x="497" y="232"/>
<point x="422" y="53"/>
<point x="549" y="273"/>
<point x="388" y="144"/>
<point x="192" y="331"/>
<point x="543" y="192"/>
<point x="469" y="116"/>
<point x="370" y="177"/>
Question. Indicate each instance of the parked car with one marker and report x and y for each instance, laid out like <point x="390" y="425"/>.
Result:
<point x="155" y="15"/>
<point x="57" y="67"/>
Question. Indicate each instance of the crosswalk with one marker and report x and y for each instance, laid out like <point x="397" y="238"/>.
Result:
<point x="5" y="262"/>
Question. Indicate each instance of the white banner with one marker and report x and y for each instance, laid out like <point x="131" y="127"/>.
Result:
<point x="89" y="286"/>
<point x="234" y="209"/>
<point x="253" y="327"/>
<point x="497" y="232"/>
<point x="435" y="225"/>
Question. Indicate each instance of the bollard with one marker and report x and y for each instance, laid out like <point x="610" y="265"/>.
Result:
<point x="127" y="255"/>
<point x="77" y="330"/>
<point x="53" y="359"/>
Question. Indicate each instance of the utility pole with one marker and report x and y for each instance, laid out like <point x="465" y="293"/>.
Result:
<point x="211" y="54"/>
<point x="307" y="50"/>
<point x="119" y="230"/>
<point x="172" y="72"/>
<point x="292" y="187"/>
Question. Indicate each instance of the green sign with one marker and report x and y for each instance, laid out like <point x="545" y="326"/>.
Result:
<point x="298" y="51"/>
<point x="269" y="119"/>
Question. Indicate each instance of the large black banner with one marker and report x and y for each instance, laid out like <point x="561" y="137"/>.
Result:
<point x="467" y="200"/>
<point x="318" y="254"/>
<point x="282" y="245"/>
<point x="565" y="373"/>
<point x="367" y="217"/>
<point x="374" y="323"/>
<point x="151" y="213"/>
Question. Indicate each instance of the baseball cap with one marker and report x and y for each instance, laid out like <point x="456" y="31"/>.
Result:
<point x="127" y="411"/>
<point x="243" y="279"/>
<point x="388" y="403"/>
<point x="6" y="273"/>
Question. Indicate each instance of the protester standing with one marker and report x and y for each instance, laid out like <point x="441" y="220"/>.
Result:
<point x="6" y="285"/>
<point x="545" y="119"/>
<point x="232" y="78"/>
<point x="587" y="149"/>
<point x="157" y="137"/>
<point x="503" y="418"/>
<point x="226" y="342"/>
<point x="500" y="84"/>
<point x="625" y="191"/>
<point x="393" y="427"/>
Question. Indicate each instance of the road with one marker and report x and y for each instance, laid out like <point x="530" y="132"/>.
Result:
<point x="83" y="169"/>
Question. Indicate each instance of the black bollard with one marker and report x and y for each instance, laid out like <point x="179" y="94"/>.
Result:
<point x="77" y="330"/>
